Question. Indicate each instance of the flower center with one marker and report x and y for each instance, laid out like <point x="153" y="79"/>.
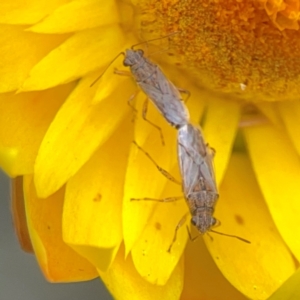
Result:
<point x="245" y="48"/>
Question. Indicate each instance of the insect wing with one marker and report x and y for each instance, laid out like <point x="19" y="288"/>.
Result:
<point x="163" y="94"/>
<point x="195" y="161"/>
<point x="205" y="160"/>
<point x="188" y="163"/>
<point x="210" y="168"/>
<point x="188" y="169"/>
<point x="175" y="110"/>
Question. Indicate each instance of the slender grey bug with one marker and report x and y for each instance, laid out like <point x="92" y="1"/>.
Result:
<point x="164" y="95"/>
<point x="198" y="181"/>
<point x="156" y="86"/>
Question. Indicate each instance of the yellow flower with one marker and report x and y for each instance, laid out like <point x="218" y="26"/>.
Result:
<point x="70" y="144"/>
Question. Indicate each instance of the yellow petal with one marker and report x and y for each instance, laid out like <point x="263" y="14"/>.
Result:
<point x="150" y="253"/>
<point x="8" y="156"/>
<point x="83" y="52"/>
<point x="220" y="128"/>
<point x="77" y="130"/>
<point x="196" y="104"/>
<point x="290" y="113"/>
<point x="24" y="121"/>
<point x="58" y="261"/>
<point x="270" y="111"/>
<point x="106" y="81"/>
<point x="124" y="282"/>
<point x="142" y="177"/>
<point x="289" y="289"/>
<point x="202" y="278"/>
<point x="78" y="15"/>
<point x="255" y="269"/>
<point x="277" y="168"/>
<point x="19" y="214"/>
<point x="20" y="51"/>
<point x="92" y="215"/>
<point x="26" y="12"/>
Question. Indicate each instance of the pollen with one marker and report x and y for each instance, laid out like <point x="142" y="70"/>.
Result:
<point x="245" y="48"/>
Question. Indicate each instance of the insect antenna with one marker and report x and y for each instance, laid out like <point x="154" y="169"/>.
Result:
<point x="146" y="42"/>
<point x="106" y="68"/>
<point x="233" y="236"/>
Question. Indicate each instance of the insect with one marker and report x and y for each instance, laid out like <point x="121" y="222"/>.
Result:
<point x="198" y="180"/>
<point x="156" y="86"/>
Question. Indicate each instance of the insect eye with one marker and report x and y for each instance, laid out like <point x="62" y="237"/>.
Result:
<point x="140" y="52"/>
<point x="126" y="62"/>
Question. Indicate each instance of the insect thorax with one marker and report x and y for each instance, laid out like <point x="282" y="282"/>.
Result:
<point x="144" y="72"/>
<point x="203" y="199"/>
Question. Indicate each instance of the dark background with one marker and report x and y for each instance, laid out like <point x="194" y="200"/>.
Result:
<point x="20" y="276"/>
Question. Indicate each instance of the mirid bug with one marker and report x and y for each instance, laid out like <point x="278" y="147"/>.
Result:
<point x="156" y="86"/>
<point x="198" y="177"/>
<point x="198" y="180"/>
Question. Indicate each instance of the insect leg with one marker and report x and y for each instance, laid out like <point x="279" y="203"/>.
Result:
<point x="233" y="236"/>
<point x="122" y="72"/>
<point x="130" y="101"/>
<point x="145" y="108"/>
<point x="161" y="170"/>
<point x="181" y="222"/>
<point x="192" y="239"/>
<point x="211" y="238"/>
<point x="212" y="150"/>
<point x="183" y="91"/>
<point x="131" y="98"/>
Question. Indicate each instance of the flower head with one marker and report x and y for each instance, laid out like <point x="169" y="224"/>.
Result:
<point x="71" y="142"/>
